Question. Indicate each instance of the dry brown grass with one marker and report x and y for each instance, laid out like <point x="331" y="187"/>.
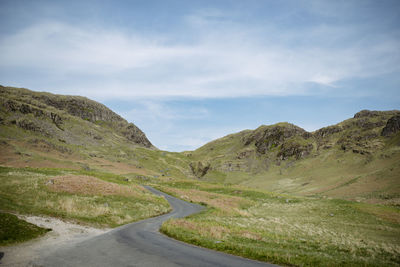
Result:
<point x="227" y="204"/>
<point x="89" y="185"/>
<point x="250" y="235"/>
<point x="116" y="167"/>
<point x="11" y="157"/>
<point x="385" y="213"/>
<point x="43" y="156"/>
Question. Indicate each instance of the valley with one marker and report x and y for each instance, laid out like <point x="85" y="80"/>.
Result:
<point x="277" y="194"/>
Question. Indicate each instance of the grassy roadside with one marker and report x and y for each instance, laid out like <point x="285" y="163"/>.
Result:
<point x="94" y="198"/>
<point x="286" y="230"/>
<point x="14" y="230"/>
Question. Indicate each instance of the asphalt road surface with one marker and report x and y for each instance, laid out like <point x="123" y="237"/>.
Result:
<point x="141" y="244"/>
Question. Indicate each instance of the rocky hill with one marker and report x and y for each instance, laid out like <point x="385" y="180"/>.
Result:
<point x="48" y="114"/>
<point x="357" y="158"/>
<point x="40" y="129"/>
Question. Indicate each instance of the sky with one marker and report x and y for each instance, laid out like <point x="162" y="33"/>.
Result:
<point x="187" y="72"/>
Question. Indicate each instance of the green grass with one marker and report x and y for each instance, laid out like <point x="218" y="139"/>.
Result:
<point x="287" y="230"/>
<point x="333" y="173"/>
<point x="34" y="149"/>
<point x="368" y="167"/>
<point x="14" y="230"/>
<point x="25" y="191"/>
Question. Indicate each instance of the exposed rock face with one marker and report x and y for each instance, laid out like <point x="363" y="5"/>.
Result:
<point x="15" y="106"/>
<point x="133" y="133"/>
<point x="29" y="125"/>
<point x="374" y="113"/>
<point x="392" y="126"/>
<point x="366" y="113"/>
<point x="268" y="138"/>
<point x="356" y="142"/>
<point x="327" y="131"/>
<point x="198" y="169"/>
<point x="81" y="107"/>
<point x="364" y="123"/>
<point x="295" y="149"/>
<point x="57" y="120"/>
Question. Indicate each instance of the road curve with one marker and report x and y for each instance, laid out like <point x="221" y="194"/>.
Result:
<point x="141" y="244"/>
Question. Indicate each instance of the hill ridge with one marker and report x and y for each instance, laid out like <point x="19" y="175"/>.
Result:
<point x="37" y="103"/>
<point x="287" y="158"/>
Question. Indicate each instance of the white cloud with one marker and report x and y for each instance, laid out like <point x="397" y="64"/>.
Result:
<point x="154" y="110"/>
<point x="226" y="60"/>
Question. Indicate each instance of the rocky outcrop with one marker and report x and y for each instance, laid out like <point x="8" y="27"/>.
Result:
<point x="375" y="113"/>
<point x="29" y="125"/>
<point x="327" y="131"/>
<point x="366" y="124"/>
<point x="199" y="169"/>
<point x="294" y="149"/>
<point x="267" y="138"/>
<point x="56" y="119"/>
<point x="16" y="106"/>
<point x="366" y="113"/>
<point x="81" y="107"/>
<point x="392" y="126"/>
<point x="134" y="134"/>
<point x="359" y="141"/>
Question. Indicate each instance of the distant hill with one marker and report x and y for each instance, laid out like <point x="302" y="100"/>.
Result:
<point x="358" y="158"/>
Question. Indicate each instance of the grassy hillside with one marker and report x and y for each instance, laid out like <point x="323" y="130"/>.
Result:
<point x="56" y="131"/>
<point x="288" y="230"/>
<point x="355" y="159"/>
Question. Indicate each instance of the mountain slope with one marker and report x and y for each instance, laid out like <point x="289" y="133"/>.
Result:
<point x="48" y="113"/>
<point x="47" y="130"/>
<point x="356" y="159"/>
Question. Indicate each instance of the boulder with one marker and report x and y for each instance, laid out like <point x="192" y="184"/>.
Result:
<point x="392" y="126"/>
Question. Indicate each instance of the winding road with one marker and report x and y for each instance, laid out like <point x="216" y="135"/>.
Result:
<point x="141" y="244"/>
